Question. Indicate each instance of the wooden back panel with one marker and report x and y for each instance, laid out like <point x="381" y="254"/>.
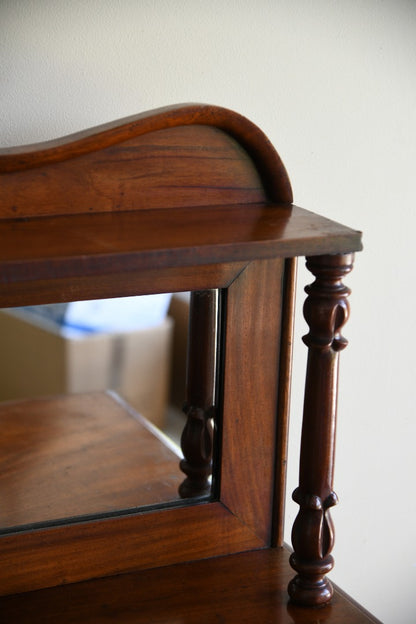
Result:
<point x="177" y="157"/>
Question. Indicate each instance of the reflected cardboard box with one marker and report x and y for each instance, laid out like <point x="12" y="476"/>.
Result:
<point x="38" y="358"/>
<point x="179" y="311"/>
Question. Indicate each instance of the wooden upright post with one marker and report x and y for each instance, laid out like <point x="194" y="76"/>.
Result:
<point x="325" y="310"/>
<point x="197" y="436"/>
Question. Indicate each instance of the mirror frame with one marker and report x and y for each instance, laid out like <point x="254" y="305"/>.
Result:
<point x="243" y="515"/>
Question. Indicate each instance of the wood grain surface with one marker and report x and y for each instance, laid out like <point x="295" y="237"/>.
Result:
<point x="174" y="156"/>
<point x="93" y="256"/>
<point x="78" y="455"/>
<point x="239" y="589"/>
<point x="183" y="198"/>
<point x="252" y="344"/>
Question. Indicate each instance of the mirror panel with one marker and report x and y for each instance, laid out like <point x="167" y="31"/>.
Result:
<point x="91" y="408"/>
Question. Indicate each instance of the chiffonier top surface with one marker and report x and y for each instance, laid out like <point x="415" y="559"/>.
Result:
<point x="176" y="237"/>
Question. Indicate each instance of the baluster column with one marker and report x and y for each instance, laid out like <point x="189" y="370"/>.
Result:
<point x="325" y="310"/>
<point x="197" y="436"/>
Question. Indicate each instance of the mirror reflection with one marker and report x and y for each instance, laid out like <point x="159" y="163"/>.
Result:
<point x="91" y="407"/>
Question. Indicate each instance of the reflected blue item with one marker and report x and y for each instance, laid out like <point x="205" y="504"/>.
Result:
<point x="54" y="311"/>
<point x="107" y="315"/>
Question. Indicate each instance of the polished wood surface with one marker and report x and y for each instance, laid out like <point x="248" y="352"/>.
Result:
<point x="184" y="198"/>
<point x="326" y="310"/>
<point x="71" y="245"/>
<point x="200" y="403"/>
<point x="135" y="174"/>
<point x="73" y="552"/>
<point x="178" y="156"/>
<point x="251" y="363"/>
<point x="118" y="283"/>
<point x="239" y="589"/>
<point x="283" y="399"/>
<point x="94" y="256"/>
<point x="78" y="455"/>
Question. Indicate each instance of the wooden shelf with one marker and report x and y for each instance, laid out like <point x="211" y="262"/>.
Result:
<point x="76" y="455"/>
<point x="238" y="589"/>
<point x="68" y="257"/>
<point x="188" y="236"/>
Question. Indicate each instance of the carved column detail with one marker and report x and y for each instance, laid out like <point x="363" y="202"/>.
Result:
<point x="326" y="310"/>
<point x="197" y="436"/>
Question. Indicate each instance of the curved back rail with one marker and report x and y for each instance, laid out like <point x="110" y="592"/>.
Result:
<point x="193" y="155"/>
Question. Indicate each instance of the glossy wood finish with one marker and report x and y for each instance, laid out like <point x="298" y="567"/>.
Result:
<point x="79" y="455"/>
<point x="83" y="550"/>
<point x="129" y="176"/>
<point x="90" y="245"/>
<point x="283" y="401"/>
<point x="239" y="589"/>
<point x="326" y="310"/>
<point x="251" y="363"/>
<point x="93" y="256"/>
<point x="189" y="198"/>
<point x="197" y="436"/>
<point x="172" y="157"/>
<point x="118" y="283"/>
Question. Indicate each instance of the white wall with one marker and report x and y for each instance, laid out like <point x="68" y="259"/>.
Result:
<point x="333" y="85"/>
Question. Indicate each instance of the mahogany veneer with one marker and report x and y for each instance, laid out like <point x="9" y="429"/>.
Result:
<point x="238" y="589"/>
<point x="189" y="198"/>
<point x="78" y="455"/>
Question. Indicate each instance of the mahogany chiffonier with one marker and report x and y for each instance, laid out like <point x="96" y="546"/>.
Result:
<point x="187" y="198"/>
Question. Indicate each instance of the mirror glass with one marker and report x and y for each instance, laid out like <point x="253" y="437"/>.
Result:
<point x="91" y="397"/>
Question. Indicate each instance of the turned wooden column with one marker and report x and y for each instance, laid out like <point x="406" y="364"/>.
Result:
<point x="325" y="310"/>
<point x="197" y="436"/>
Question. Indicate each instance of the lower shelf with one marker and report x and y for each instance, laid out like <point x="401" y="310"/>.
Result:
<point x="237" y="589"/>
<point x="89" y="454"/>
